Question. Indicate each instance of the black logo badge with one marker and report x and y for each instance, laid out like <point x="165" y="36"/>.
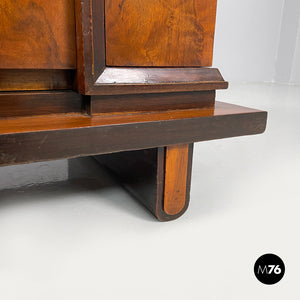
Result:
<point x="269" y="269"/>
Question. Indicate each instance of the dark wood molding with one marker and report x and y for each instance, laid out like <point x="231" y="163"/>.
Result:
<point x="157" y="80"/>
<point x="21" y="104"/>
<point x="90" y="40"/>
<point x="94" y="77"/>
<point x="137" y="103"/>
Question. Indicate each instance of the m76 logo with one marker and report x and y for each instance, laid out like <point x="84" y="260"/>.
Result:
<point x="269" y="269"/>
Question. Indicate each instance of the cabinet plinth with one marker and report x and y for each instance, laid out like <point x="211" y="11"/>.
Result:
<point x="128" y="82"/>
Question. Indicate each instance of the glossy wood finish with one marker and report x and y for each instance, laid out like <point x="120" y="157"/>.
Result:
<point x="176" y="162"/>
<point x="55" y="137"/>
<point x="96" y="77"/>
<point x="162" y="76"/>
<point x="36" y="80"/>
<point x="136" y="103"/>
<point x="118" y="81"/>
<point x="157" y="80"/>
<point x="90" y="41"/>
<point x="20" y="104"/>
<point x="142" y="174"/>
<point x="37" y="34"/>
<point x="171" y="33"/>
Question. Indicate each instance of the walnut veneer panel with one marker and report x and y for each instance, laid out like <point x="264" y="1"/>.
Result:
<point x="159" y="32"/>
<point x="35" y="79"/>
<point x="37" y="34"/>
<point x="176" y="170"/>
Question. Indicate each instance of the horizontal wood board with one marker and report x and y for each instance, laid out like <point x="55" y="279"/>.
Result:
<point x="24" y="140"/>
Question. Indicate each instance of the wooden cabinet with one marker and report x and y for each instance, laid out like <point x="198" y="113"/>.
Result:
<point x="127" y="81"/>
<point x="37" y="34"/>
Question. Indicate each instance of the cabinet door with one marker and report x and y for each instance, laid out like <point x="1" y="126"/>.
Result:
<point x="37" y="44"/>
<point x="145" y="46"/>
<point x="167" y="33"/>
<point x="37" y="34"/>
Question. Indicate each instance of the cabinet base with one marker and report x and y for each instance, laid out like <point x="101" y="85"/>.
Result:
<point x="158" y="178"/>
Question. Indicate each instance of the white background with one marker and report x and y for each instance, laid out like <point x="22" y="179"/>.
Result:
<point x="258" y="40"/>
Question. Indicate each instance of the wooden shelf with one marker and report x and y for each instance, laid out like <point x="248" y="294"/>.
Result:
<point x="31" y="139"/>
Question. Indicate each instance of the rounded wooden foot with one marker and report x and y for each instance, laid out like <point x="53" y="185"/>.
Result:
<point x="159" y="178"/>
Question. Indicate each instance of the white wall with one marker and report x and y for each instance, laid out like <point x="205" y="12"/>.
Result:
<point x="287" y="50"/>
<point x="256" y="40"/>
<point x="295" y="75"/>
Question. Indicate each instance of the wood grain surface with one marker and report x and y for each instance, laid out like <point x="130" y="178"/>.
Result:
<point x="159" y="32"/>
<point x="21" y="104"/>
<point x="74" y="121"/>
<point x="133" y="104"/>
<point x="36" y="80"/>
<point x="176" y="163"/>
<point x="37" y="34"/>
<point x="96" y="23"/>
<point x="51" y="137"/>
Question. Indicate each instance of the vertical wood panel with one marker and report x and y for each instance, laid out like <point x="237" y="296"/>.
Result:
<point x="37" y="34"/>
<point x="176" y="165"/>
<point x="160" y="32"/>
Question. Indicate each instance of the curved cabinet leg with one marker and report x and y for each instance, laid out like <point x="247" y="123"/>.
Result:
<point x="176" y="171"/>
<point x="159" y="178"/>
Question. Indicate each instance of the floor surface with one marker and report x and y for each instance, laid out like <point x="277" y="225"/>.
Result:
<point x="80" y="236"/>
